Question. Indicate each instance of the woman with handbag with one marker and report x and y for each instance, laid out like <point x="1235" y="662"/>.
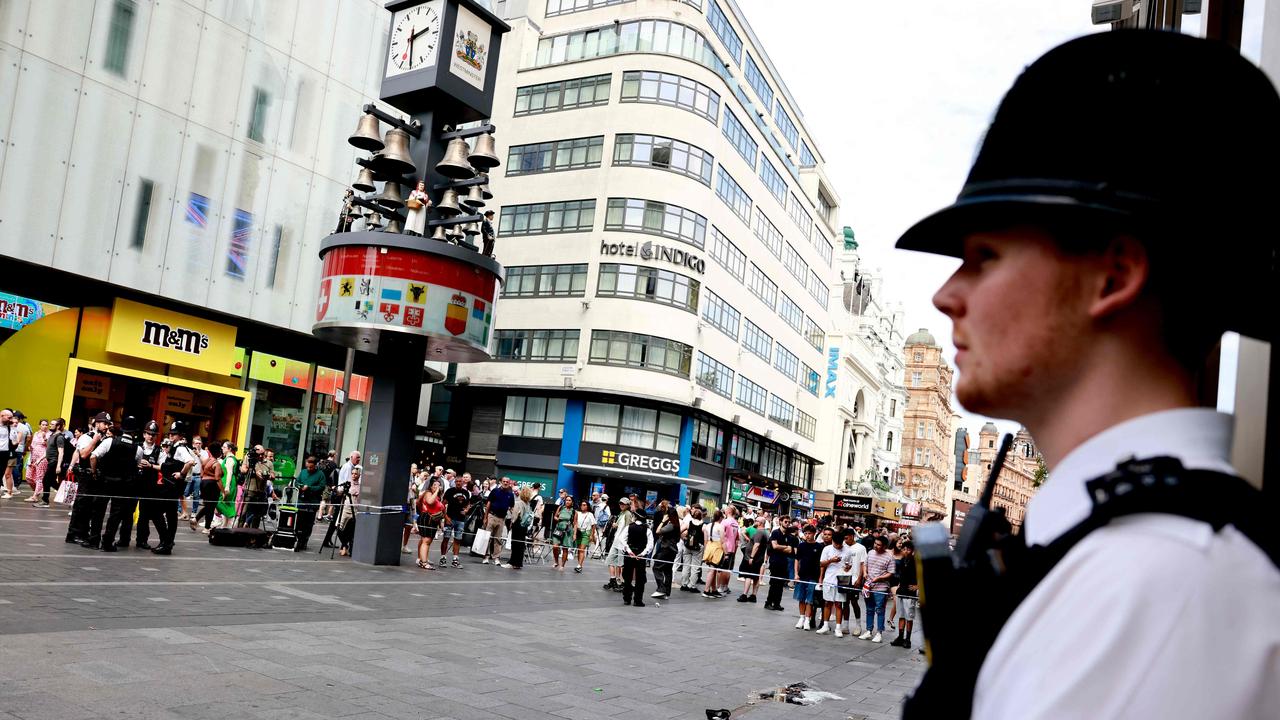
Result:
<point x="430" y="514"/>
<point x="38" y="462"/>
<point x="584" y="532"/>
<point x="714" y="554"/>
<point x="562" y="532"/>
<point x="521" y="523"/>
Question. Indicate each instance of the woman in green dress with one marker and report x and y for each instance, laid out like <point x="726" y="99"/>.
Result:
<point x="562" y="532"/>
<point x="227" y="502"/>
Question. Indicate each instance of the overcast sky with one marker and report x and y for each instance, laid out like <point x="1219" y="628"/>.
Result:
<point x="897" y="96"/>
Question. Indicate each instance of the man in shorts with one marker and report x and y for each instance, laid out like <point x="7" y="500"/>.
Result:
<point x="808" y="571"/>
<point x="457" y="501"/>
<point x="617" y="553"/>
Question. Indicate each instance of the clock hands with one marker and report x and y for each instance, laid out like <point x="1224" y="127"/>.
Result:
<point x="413" y="35"/>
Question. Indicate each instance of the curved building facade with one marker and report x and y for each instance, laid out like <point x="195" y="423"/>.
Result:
<point x="669" y="237"/>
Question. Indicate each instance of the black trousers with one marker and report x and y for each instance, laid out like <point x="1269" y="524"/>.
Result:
<point x="148" y="515"/>
<point x="82" y="509"/>
<point x="97" y="513"/>
<point x="519" y="536"/>
<point x="210" y="493"/>
<point x="51" y="481"/>
<point x="633" y="578"/>
<point x="255" y="508"/>
<point x="306" y="523"/>
<point x="121" y="513"/>
<point x="663" y="567"/>
<point x="776" y="586"/>
<point x="165" y="515"/>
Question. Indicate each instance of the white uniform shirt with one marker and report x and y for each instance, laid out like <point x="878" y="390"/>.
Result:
<point x="1151" y="616"/>
<point x="84" y="443"/>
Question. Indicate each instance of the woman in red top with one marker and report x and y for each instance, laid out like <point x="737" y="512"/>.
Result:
<point x="430" y="513"/>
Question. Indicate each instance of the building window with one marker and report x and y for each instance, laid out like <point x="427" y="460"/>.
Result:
<point x="916" y="379"/>
<point x="919" y="456"/>
<point x="762" y="287"/>
<point x="727" y="254"/>
<point x="656" y="218"/>
<point x="756" y="80"/>
<point x="928" y="431"/>
<point x="547" y="218"/>
<point x="708" y="441"/>
<point x="238" y="249"/>
<point x="928" y="456"/>
<point x="648" y="283"/>
<point x="809" y="379"/>
<point x="647" y="352"/>
<point x="768" y="233"/>
<point x="801" y="471"/>
<point x="772" y="180"/>
<point x="744" y="453"/>
<point x="728" y="190"/>
<point x="537" y="417"/>
<point x="893" y="408"/>
<point x="888" y="442"/>
<point x="574" y="154"/>
<point x="740" y="138"/>
<point x="750" y="395"/>
<point x="794" y="264"/>
<point x="564" y="7"/>
<point x="714" y="375"/>
<point x="119" y="36"/>
<point x="806" y="424"/>
<point x="563" y="95"/>
<point x="773" y="461"/>
<point x="668" y="89"/>
<point x="791" y="313"/>
<point x="273" y="267"/>
<point x="757" y="340"/>
<point x="665" y="154"/>
<point x="825" y="249"/>
<point x="545" y="281"/>
<point x="799" y="216"/>
<point x="825" y="208"/>
<point x="719" y="23"/>
<point x="781" y="411"/>
<point x="806" y="156"/>
<point x="819" y="289"/>
<point x="785" y="362"/>
<point x="631" y="426"/>
<point x="142" y="215"/>
<point x="785" y="125"/>
<point x="645" y="36"/>
<point x="812" y="333"/>
<point x="536" y="345"/>
<point x="920" y="430"/>
<point x="722" y="316"/>
<point x="258" y="114"/>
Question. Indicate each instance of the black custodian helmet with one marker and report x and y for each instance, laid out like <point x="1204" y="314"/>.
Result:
<point x="152" y="427"/>
<point x="129" y="424"/>
<point x="178" y="428"/>
<point x="1166" y="136"/>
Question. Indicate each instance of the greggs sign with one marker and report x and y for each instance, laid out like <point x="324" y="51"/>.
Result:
<point x="171" y="338"/>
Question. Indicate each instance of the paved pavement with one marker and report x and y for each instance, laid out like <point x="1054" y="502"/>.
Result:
<point x="221" y="633"/>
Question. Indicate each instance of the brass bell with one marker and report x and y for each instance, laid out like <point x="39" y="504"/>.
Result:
<point x="485" y="192"/>
<point x="471" y="229"/>
<point x="484" y="156"/>
<point x="448" y="205"/>
<point x="455" y="165"/>
<point x="474" y="198"/>
<point x="366" y="136"/>
<point x="439" y="234"/>
<point x="372" y="221"/>
<point x="454" y="233"/>
<point x="394" y="226"/>
<point x="390" y="196"/>
<point x="394" y="158"/>
<point x="364" y="181"/>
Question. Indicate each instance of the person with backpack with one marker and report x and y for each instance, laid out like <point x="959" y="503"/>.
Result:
<point x="521" y="522"/>
<point x="59" y="451"/>
<point x="691" y="549"/>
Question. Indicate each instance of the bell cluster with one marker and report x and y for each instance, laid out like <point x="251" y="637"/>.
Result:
<point x="390" y="164"/>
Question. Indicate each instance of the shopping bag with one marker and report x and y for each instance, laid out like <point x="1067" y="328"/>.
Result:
<point x="66" y="492"/>
<point x="481" y="544"/>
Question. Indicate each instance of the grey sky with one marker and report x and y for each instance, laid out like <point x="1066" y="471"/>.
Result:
<point x="897" y="96"/>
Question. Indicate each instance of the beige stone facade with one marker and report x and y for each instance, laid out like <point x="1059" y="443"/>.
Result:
<point x="1016" y="483"/>
<point x="927" y="447"/>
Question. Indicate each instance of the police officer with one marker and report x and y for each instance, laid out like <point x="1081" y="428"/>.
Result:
<point x="114" y="462"/>
<point x="87" y="490"/>
<point x="175" y="464"/>
<point x="146" y="480"/>
<point x="1102" y="259"/>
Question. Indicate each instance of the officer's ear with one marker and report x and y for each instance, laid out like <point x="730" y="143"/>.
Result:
<point x="1122" y="271"/>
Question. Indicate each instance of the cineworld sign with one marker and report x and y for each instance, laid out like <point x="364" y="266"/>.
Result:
<point x="653" y="251"/>
<point x="180" y="339"/>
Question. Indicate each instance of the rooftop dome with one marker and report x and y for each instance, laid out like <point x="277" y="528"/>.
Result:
<point x="990" y="427"/>
<point x="922" y="337"/>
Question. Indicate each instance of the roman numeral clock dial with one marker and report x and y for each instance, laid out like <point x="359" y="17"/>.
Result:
<point x="415" y="37"/>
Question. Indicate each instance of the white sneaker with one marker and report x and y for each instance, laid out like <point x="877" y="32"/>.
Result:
<point x="404" y="550"/>
<point x="876" y="638"/>
<point x="824" y="629"/>
<point x="5" y="496"/>
<point x="808" y="623"/>
<point x="800" y="623"/>
<point x="838" y="632"/>
<point x="865" y="636"/>
<point x="658" y="595"/>
<point x="484" y="561"/>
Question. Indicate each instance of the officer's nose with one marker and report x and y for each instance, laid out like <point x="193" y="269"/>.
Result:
<point x="950" y="297"/>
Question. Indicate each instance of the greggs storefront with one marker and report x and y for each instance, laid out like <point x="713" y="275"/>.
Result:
<point x="226" y="381"/>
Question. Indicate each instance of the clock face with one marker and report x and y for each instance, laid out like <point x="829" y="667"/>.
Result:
<point x="415" y="39"/>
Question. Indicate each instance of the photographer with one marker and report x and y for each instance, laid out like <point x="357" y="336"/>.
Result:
<point x="257" y="472"/>
<point x="311" y="483"/>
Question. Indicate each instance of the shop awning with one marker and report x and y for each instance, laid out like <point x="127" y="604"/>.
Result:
<point x="624" y="474"/>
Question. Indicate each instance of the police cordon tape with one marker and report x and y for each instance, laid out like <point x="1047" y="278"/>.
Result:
<point x="403" y="510"/>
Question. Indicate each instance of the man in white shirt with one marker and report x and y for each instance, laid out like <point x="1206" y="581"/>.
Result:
<point x="87" y="486"/>
<point x="1071" y="315"/>
<point x="344" y="475"/>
